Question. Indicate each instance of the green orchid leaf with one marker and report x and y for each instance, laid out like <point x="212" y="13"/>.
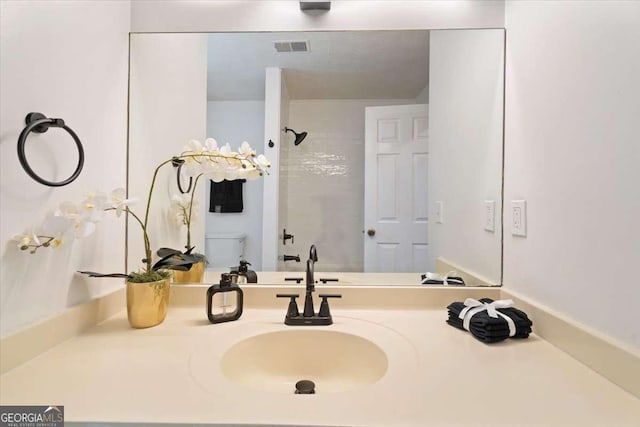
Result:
<point x="94" y="274"/>
<point x="179" y="261"/>
<point x="163" y="252"/>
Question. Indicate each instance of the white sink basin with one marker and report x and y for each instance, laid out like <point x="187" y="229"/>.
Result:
<point x="334" y="361"/>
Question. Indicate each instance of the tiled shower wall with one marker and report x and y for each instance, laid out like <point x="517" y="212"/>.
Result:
<point x="325" y="200"/>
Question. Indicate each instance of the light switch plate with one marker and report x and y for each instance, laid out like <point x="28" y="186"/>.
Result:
<point x="439" y="212"/>
<point x="489" y="215"/>
<point x="519" y="218"/>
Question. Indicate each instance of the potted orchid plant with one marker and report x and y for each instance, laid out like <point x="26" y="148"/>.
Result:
<point x="194" y="160"/>
<point x="147" y="289"/>
<point x="183" y="212"/>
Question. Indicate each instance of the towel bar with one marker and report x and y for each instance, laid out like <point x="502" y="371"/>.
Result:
<point x="178" y="163"/>
<point x="39" y="123"/>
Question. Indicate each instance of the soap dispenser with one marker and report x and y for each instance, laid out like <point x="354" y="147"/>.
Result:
<point x="244" y="275"/>
<point x="226" y="290"/>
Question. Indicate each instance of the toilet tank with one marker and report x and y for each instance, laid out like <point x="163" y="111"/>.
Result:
<point x="224" y="250"/>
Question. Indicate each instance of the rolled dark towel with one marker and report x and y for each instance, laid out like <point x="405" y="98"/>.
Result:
<point x="491" y="336"/>
<point x="489" y="329"/>
<point x="451" y="281"/>
<point x="484" y="321"/>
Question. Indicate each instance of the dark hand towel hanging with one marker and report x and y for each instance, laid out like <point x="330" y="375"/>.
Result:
<point x="226" y="196"/>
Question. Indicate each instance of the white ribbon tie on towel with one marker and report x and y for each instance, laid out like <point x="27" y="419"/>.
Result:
<point x="473" y="307"/>
<point x="436" y="276"/>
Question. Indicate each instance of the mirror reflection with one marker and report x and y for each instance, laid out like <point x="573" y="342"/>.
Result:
<point x="386" y="146"/>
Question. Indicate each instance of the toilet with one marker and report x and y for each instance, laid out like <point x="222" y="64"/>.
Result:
<point x="224" y="250"/>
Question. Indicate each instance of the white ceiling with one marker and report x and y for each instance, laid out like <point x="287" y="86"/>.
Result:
<point x="339" y="65"/>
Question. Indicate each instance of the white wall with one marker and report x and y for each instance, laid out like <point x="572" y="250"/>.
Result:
<point x="465" y="147"/>
<point x="285" y="15"/>
<point x="272" y="132"/>
<point x="325" y="201"/>
<point x="572" y="151"/>
<point x="234" y="122"/>
<point x="68" y="60"/>
<point x="283" y="183"/>
<point x="168" y="107"/>
<point x="423" y="96"/>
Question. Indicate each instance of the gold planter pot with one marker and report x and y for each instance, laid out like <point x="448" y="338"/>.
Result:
<point x="194" y="275"/>
<point x="147" y="303"/>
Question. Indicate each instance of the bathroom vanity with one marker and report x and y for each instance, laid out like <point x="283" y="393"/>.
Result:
<point x="389" y="359"/>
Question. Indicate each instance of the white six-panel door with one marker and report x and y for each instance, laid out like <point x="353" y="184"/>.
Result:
<point x="395" y="201"/>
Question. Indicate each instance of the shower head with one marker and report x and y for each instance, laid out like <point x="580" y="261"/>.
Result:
<point x="299" y="136"/>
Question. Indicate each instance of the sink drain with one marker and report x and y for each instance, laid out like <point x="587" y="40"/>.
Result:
<point x="305" y="387"/>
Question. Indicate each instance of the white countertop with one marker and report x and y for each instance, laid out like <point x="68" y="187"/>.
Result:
<point x="440" y="376"/>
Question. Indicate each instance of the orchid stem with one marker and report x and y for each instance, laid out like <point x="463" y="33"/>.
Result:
<point x="153" y="183"/>
<point x="147" y="244"/>
<point x="193" y="192"/>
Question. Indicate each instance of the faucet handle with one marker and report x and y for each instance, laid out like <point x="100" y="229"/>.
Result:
<point x="294" y="279"/>
<point x="286" y="236"/>
<point x="324" y="305"/>
<point x="292" y="310"/>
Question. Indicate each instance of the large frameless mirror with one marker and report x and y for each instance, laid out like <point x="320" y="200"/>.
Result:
<point x="386" y="147"/>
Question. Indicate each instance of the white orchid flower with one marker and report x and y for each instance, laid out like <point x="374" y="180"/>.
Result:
<point x="181" y="200"/>
<point x="83" y="229"/>
<point x="27" y="239"/>
<point x="193" y="147"/>
<point x="225" y="150"/>
<point x="176" y="212"/>
<point x="211" y="145"/>
<point x="256" y="168"/>
<point x="176" y="218"/>
<point x="77" y="223"/>
<point x="119" y="200"/>
<point x="192" y="167"/>
<point x="262" y="162"/>
<point x="57" y="242"/>
<point x="93" y="206"/>
<point x="246" y="150"/>
<point x="179" y="209"/>
<point x="23" y="240"/>
<point x="250" y="173"/>
<point x="197" y="155"/>
<point x="68" y="210"/>
<point x="219" y="175"/>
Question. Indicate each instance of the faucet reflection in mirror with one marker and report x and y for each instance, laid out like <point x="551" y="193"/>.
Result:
<point x="216" y="164"/>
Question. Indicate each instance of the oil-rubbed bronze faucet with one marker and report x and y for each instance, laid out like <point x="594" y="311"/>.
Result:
<point x="309" y="317"/>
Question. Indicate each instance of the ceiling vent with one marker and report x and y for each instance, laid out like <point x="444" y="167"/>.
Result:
<point x="292" y="46"/>
<point x="313" y="5"/>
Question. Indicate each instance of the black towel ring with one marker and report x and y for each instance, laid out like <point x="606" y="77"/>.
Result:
<point x="177" y="163"/>
<point x="39" y="123"/>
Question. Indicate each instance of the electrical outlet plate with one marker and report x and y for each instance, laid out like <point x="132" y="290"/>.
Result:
<point x="490" y="215"/>
<point x="439" y="212"/>
<point x="519" y="218"/>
